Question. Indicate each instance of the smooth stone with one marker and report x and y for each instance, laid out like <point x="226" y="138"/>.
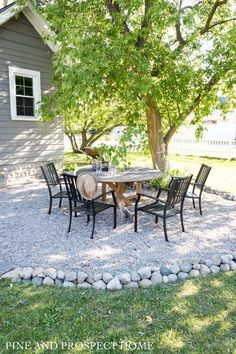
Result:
<point x="209" y="262"/>
<point x="215" y="269"/>
<point x="99" y="285"/>
<point x="97" y="276"/>
<point x="90" y="279"/>
<point x="26" y="273"/>
<point x="224" y="267"/>
<point x="145" y="272"/>
<point x="68" y="284"/>
<point x="26" y="281"/>
<point x="216" y="260"/>
<point x="182" y="275"/>
<point x="38" y="272"/>
<point x="196" y="266"/>
<point x="145" y="283"/>
<point x="107" y="277"/>
<point x="234" y="256"/>
<point x="50" y="272"/>
<point x="232" y="265"/>
<point x="15" y="273"/>
<point x="165" y="279"/>
<point x="195" y="260"/>
<point x="114" y="284"/>
<point x="155" y="269"/>
<point x="131" y="285"/>
<point x="204" y="269"/>
<point x="48" y="281"/>
<point x="174" y="269"/>
<point x="172" y="278"/>
<point x="194" y="273"/>
<point x="81" y="276"/>
<point x="84" y="285"/>
<point x="185" y="267"/>
<point x="38" y="281"/>
<point x="59" y="282"/>
<point x="16" y="280"/>
<point x="5" y="268"/>
<point x="135" y="276"/>
<point x="156" y="278"/>
<point x="165" y="270"/>
<point x="225" y="259"/>
<point x="70" y="276"/>
<point x="124" y="278"/>
<point x="60" y="275"/>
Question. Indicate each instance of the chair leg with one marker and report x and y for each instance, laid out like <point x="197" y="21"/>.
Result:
<point x="60" y="202"/>
<point x="114" y="225"/>
<point x="50" y="206"/>
<point x="156" y="219"/>
<point x="76" y="214"/>
<point x="93" y="226"/>
<point x="164" y="226"/>
<point x="193" y="203"/>
<point x="182" y="219"/>
<point x="136" y="220"/>
<point x="88" y="218"/>
<point x="70" y="216"/>
<point x="200" y="203"/>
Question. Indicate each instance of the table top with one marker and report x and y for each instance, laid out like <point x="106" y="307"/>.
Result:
<point x="134" y="174"/>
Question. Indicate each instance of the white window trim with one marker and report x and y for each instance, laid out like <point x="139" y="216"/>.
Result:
<point x="35" y="75"/>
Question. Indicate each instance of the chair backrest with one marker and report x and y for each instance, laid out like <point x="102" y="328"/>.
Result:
<point x="202" y="175"/>
<point x="71" y="187"/>
<point x="50" y="174"/>
<point x="178" y="190"/>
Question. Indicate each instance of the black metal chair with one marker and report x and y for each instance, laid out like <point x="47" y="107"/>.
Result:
<point x="198" y="184"/>
<point x="53" y="180"/>
<point x="165" y="208"/>
<point x="90" y="207"/>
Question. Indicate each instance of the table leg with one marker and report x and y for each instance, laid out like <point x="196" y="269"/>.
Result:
<point x="104" y="189"/>
<point x="138" y="187"/>
<point x="122" y="201"/>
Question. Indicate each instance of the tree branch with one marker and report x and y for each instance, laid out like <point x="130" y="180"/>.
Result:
<point x="223" y="21"/>
<point x="214" y="8"/>
<point x="114" y="9"/>
<point x="213" y="81"/>
<point x="145" y="23"/>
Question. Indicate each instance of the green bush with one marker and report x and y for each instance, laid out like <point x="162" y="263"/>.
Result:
<point x="163" y="182"/>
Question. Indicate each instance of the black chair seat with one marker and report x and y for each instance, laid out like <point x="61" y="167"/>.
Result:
<point x="157" y="209"/>
<point x="62" y="194"/>
<point x="87" y="209"/>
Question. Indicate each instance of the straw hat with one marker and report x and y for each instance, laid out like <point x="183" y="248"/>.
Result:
<point x="87" y="185"/>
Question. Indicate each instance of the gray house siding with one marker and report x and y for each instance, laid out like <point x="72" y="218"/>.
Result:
<point x="25" y="142"/>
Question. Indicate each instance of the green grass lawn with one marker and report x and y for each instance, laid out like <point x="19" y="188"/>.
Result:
<point x="198" y="316"/>
<point x="222" y="175"/>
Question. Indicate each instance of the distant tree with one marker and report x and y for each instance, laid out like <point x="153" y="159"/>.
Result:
<point x="166" y="59"/>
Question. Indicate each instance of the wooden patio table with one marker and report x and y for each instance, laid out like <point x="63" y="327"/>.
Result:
<point x="120" y="182"/>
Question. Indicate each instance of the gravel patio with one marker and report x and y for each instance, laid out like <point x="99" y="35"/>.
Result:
<point x="31" y="237"/>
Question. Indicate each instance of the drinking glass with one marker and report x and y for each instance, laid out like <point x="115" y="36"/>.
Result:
<point x="98" y="166"/>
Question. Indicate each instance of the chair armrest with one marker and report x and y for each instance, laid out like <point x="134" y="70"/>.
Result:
<point x="145" y="195"/>
<point x="103" y="194"/>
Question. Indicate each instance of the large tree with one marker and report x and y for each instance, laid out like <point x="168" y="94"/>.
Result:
<point x="166" y="59"/>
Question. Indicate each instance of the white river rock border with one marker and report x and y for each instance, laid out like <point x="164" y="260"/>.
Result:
<point x="142" y="278"/>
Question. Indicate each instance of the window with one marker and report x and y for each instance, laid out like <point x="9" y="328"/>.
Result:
<point x="25" y="93"/>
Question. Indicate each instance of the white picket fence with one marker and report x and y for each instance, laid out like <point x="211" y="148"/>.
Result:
<point x="212" y="148"/>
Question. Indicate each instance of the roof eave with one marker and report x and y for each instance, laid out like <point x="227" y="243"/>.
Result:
<point x="40" y="25"/>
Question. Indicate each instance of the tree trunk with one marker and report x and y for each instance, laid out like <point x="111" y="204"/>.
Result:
<point x="73" y="142"/>
<point x="84" y="142"/>
<point x="158" y="147"/>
